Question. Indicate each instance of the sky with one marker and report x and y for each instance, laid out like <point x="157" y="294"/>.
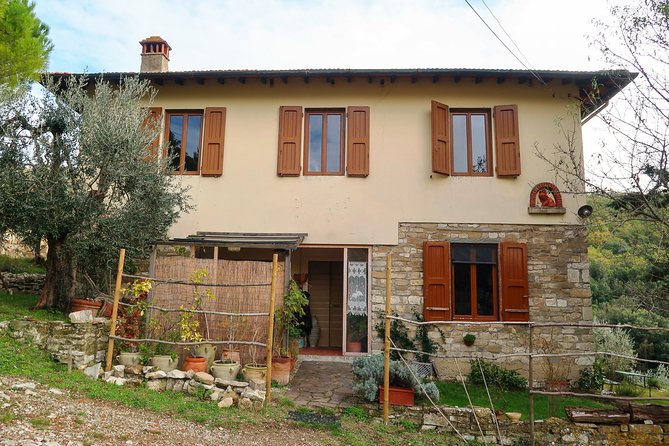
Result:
<point x="103" y="36"/>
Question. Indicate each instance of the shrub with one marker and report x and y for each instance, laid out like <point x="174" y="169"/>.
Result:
<point x="660" y="375"/>
<point x="495" y="376"/>
<point x="19" y="265"/>
<point x="627" y="389"/>
<point x="591" y="379"/>
<point x="614" y="340"/>
<point x="368" y="374"/>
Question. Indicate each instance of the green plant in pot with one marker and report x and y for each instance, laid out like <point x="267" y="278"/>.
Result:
<point x="286" y="321"/>
<point x="469" y="339"/>
<point x="356" y="331"/>
<point x="130" y="323"/>
<point x="254" y="370"/>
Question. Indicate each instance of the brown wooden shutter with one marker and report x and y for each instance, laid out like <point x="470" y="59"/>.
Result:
<point x="358" y="142"/>
<point x="507" y="140"/>
<point x="290" y="137"/>
<point x="436" y="281"/>
<point x="441" y="139"/>
<point x="515" y="290"/>
<point x="214" y="137"/>
<point x="152" y="121"/>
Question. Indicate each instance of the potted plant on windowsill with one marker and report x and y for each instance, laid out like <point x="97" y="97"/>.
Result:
<point x="368" y="375"/>
<point x="356" y="331"/>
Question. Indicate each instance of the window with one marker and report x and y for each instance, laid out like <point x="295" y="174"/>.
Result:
<point x="462" y="141"/>
<point x="471" y="142"/>
<point x="324" y="142"/>
<point x="474" y="273"/>
<point x="184" y="132"/>
<point x="335" y="140"/>
<point x="475" y="281"/>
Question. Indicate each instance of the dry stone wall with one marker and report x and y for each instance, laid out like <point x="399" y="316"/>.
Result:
<point x="21" y="283"/>
<point x="85" y="343"/>
<point x="559" y="291"/>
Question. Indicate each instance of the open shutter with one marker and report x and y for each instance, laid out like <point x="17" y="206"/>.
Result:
<point x="515" y="292"/>
<point x="507" y="140"/>
<point x="436" y="281"/>
<point x="290" y="136"/>
<point x="358" y="142"/>
<point x="441" y="137"/>
<point x="214" y="137"/>
<point x="152" y="122"/>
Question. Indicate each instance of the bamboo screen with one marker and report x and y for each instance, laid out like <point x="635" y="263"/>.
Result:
<point x="239" y="299"/>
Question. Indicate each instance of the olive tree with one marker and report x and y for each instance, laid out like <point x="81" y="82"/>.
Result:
<point x="77" y="169"/>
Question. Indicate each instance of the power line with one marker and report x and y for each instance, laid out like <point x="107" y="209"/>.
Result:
<point x="505" y="45"/>
<point x="506" y="33"/>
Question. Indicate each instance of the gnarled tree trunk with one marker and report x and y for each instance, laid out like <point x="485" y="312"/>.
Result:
<point x="58" y="285"/>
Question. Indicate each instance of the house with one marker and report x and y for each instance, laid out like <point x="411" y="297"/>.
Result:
<point x="439" y="168"/>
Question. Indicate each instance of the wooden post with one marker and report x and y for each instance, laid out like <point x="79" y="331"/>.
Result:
<point x="530" y="386"/>
<point x="386" y="348"/>
<point x="270" y="331"/>
<point x="117" y="295"/>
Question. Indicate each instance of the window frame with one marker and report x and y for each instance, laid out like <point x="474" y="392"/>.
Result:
<point x="488" y="138"/>
<point x="473" y="285"/>
<point x="342" y="141"/>
<point x="182" y="155"/>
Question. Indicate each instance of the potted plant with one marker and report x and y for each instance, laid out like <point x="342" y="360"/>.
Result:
<point x="157" y="354"/>
<point x="368" y="375"/>
<point x="286" y="320"/>
<point x="469" y="339"/>
<point x="189" y="327"/>
<point x="556" y="369"/>
<point x="356" y="331"/>
<point x="225" y="369"/>
<point x="254" y="370"/>
<point x="131" y="321"/>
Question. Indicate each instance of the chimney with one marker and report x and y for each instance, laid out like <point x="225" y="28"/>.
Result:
<point x="155" y="55"/>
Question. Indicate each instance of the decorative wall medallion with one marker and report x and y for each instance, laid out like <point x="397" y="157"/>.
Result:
<point x="545" y="198"/>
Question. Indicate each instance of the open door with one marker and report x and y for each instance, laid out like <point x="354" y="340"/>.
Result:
<point x="357" y="300"/>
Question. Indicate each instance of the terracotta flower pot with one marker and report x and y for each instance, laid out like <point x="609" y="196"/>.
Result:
<point x="208" y="351"/>
<point x="195" y="363"/>
<point x="231" y="354"/>
<point x="398" y="396"/>
<point x="281" y="369"/>
<point x="353" y="346"/>
<point x="82" y="304"/>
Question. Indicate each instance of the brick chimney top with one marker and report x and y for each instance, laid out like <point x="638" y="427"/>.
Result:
<point x="155" y="54"/>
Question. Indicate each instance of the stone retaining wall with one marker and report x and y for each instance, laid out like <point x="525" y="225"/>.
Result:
<point x="21" y="283"/>
<point x="559" y="291"/>
<point x="86" y="343"/>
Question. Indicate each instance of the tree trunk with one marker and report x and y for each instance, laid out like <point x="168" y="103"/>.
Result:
<point x="57" y="290"/>
<point x="597" y="416"/>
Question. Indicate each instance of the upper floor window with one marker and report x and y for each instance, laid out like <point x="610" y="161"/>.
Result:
<point x="184" y="132"/>
<point x="471" y="142"/>
<point x="324" y="142"/>
<point x="336" y="141"/>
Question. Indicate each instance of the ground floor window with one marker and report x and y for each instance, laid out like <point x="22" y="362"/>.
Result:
<point x="474" y="291"/>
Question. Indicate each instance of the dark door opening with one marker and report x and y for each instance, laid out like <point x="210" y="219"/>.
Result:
<point x="326" y="286"/>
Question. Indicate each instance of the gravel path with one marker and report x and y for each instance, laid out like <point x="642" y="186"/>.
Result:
<point x="32" y="414"/>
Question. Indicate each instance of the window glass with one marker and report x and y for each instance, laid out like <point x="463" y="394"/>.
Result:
<point x="462" y="289"/>
<point x="193" y="143"/>
<point x="460" y="143"/>
<point x="479" y="144"/>
<point x="176" y="138"/>
<point x="315" y="142"/>
<point x="484" y="290"/>
<point x="204" y="252"/>
<point x="333" y="151"/>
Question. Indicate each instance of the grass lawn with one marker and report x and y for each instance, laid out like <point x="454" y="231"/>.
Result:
<point x="19" y="265"/>
<point x="16" y="306"/>
<point x="453" y="394"/>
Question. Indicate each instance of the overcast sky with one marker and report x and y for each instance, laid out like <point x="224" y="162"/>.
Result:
<point x="95" y="35"/>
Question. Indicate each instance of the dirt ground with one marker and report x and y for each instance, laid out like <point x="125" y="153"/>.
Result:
<point x="37" y="415"/>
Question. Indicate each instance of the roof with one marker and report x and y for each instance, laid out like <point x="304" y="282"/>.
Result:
<point x="595" y="87"/>
<point x="288" y="241"/>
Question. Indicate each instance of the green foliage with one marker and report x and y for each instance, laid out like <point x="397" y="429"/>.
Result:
<point x="425" y="343"/>
<point x="495" y="376"/>
<point x="24" y="42"/>
<point x="591" y="379"/>
<point x="399" y="334"/>
<point x="19" y="265"/>
<point x="356" y="413"/>
<point x="287" y="316"/>
<point x="469" y="337"/>
<point x="618" y="341"/>
<point x="356" y="327"/>
<point x="368" y="374"/>
<point x="627" y="389"/>
<point x="74" y="170"/>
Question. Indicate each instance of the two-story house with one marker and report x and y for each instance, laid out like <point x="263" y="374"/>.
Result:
<point x="337" y="168"/>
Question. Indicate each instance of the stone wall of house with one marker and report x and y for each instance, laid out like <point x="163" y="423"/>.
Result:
<point x="85" y="343"/>
<point x="559" y="291"/>
<point x="21" y="283"/>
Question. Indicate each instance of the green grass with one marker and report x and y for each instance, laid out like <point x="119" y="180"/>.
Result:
<point x="453" y="394"/>
<point x="19" y="265"/>
<point x="40" y="423"/>
<point x="16" y="306"/>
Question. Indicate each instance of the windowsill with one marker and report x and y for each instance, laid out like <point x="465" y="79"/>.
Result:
<point x="546" y="211"/>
